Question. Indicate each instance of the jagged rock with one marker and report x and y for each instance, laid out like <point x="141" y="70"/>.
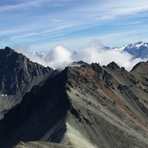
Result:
<point x="17" y="76"/>
<point x="113" y="66"/>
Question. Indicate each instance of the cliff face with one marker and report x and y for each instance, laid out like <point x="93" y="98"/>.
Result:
<point x="88" y="106"/>
<point x="17" y="76"/>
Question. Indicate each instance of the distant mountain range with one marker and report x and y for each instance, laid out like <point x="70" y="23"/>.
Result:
<point x="138" y="50"/>
<point x="85" y="106"/>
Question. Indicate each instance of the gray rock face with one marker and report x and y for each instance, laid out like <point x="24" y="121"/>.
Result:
<point x="17" y="76"/>
<point x="88" y="106"/>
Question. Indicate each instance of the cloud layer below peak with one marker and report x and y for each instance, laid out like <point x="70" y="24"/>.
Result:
<point x="59" y="57"/>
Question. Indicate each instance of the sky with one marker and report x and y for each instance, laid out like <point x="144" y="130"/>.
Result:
<point x="40" y="25"/>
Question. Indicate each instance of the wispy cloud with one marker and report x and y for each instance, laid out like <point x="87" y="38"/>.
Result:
<point x="25" y="35"/>
<point x="58" y="28"/>
<point x="71" y="19"/>
<point x="17" y="5"/>
<point x="114" y="8"/>
<point x="57" y="20"/>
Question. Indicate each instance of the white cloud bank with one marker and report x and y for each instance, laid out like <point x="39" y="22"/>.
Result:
<point x="60" y="57"/>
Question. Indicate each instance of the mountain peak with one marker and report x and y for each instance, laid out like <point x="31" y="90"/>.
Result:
<point x="135" y="45"/>
<point x="139" y="42"/>
<point x="138" y="49"/>
<point x="17" y="76"/>
<point x="141" y="67"/>
<point x="113" y="66"/>
<point x="8" y="48"/>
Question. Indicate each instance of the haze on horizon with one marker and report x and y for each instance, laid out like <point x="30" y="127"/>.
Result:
<point x="43" y="24"/>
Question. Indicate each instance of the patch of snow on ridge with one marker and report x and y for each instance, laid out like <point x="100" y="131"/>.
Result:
<point x="139" y="44"/>
<point x="3" y="95"/>
<point x="119" y="48"/>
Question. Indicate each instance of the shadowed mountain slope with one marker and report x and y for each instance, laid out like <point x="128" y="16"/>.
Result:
<point x="17" y="76"/>
<point x="88" y="106"/>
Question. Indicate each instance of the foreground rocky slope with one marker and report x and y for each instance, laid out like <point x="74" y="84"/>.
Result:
<point x="88" y="106"/>
<point x="17" y="76"/>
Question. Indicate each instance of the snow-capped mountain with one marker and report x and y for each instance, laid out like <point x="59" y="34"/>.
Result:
<point x="138" y="49"/>
<point x="39" y="54"/>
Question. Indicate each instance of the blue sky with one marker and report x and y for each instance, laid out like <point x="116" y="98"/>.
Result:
<point x="43" y="24"/>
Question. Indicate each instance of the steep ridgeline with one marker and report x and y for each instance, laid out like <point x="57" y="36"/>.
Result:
<point x="17" y="76"/>
<point x="82" y="107"/>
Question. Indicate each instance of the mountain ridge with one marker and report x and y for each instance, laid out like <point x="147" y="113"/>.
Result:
<point x="105" y="106"/>
<point x="17" y="76"/>
<point x="138" y="49"/>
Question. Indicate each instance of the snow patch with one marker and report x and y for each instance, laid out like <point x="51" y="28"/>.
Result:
<point x="3" y="95"/>
<point x="138" y="45"/>
<point x="119" y="48"/>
